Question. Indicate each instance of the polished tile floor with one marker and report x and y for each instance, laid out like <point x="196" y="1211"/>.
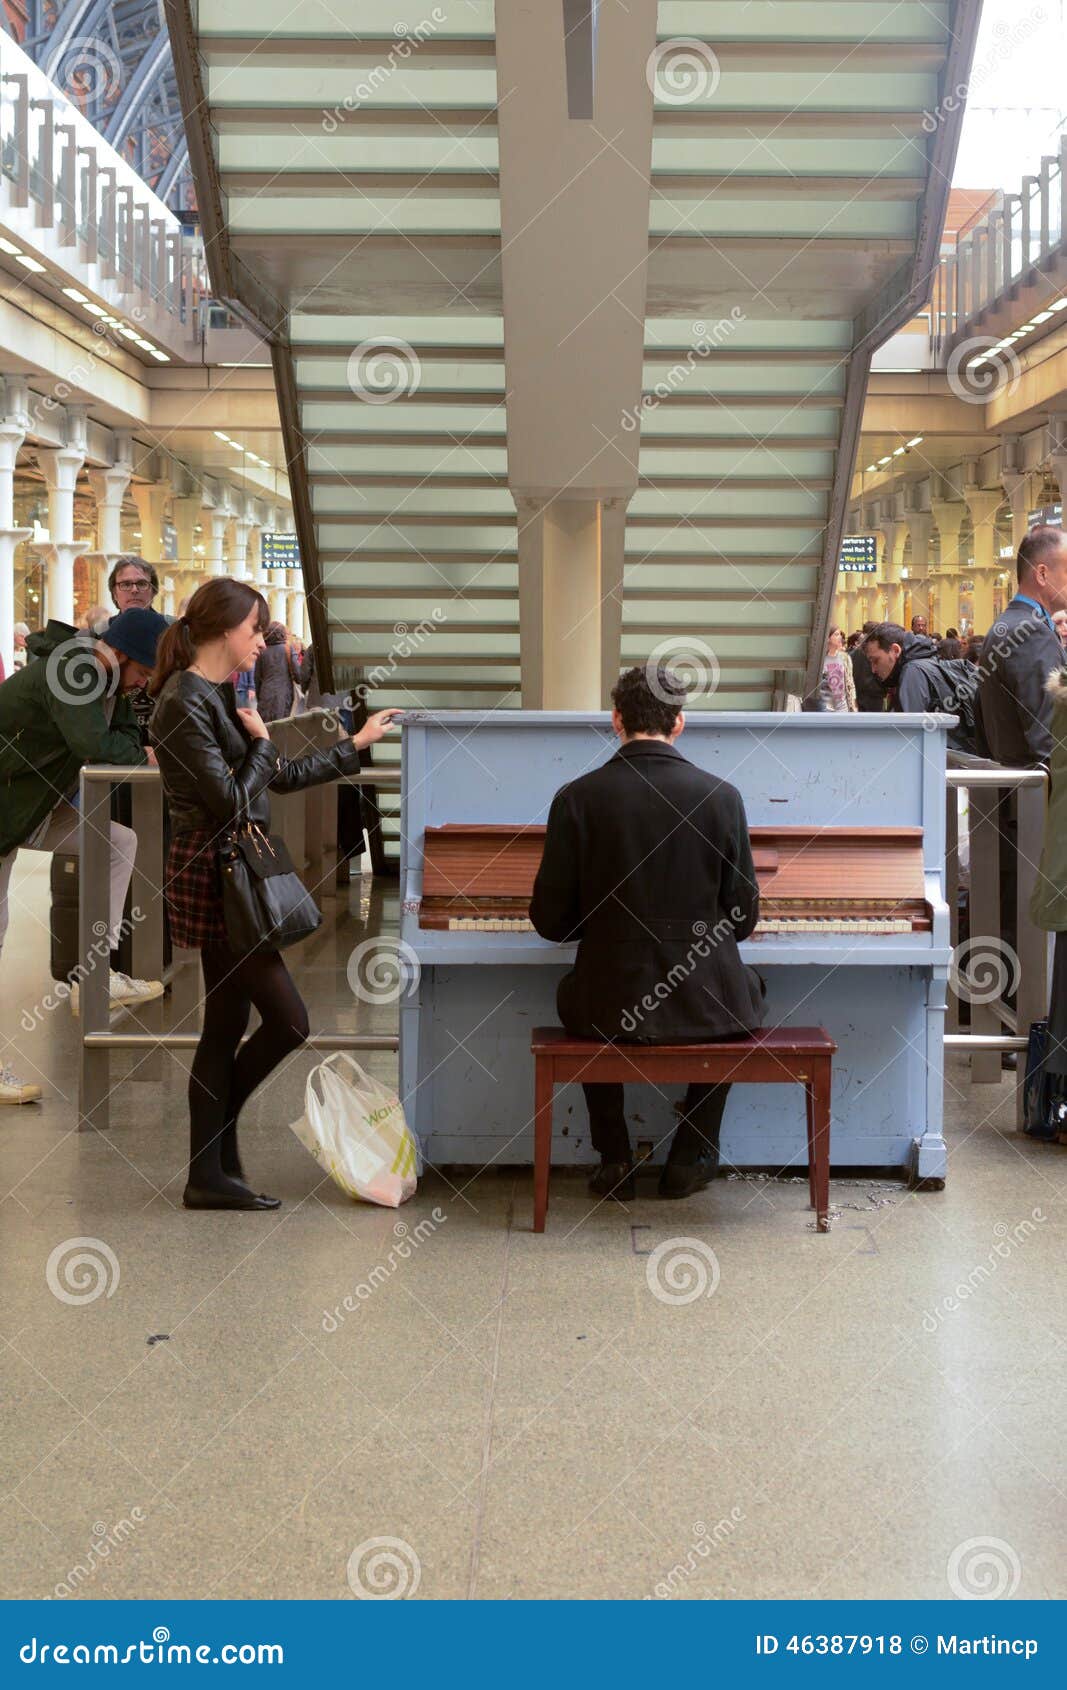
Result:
<point x="191" y="1409"/>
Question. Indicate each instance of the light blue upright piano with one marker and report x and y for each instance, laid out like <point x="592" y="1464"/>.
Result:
<point x="477" y="988"/>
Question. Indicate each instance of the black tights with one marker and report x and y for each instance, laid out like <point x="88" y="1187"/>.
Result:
<point x="224" y="1073"/>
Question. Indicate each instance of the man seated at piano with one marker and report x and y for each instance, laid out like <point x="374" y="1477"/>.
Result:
<point x="647" y="864"/>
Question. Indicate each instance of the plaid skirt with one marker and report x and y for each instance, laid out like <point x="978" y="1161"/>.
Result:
<point x="193" y="890"/>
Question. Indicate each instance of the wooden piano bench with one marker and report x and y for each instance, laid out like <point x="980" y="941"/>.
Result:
<point x="801" y="1055"/>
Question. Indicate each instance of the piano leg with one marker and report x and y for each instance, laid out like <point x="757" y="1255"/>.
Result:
<point x="809" y="1098"/>
<point x="543" y="1090"/>
<point x="821" y="1135"/>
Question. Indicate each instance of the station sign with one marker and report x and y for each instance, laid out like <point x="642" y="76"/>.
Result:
<point x="278" y="551"/>
<point x="1050" y="516"/>
<point x="859" y="554"/>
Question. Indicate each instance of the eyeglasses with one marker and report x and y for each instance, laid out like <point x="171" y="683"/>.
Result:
<point x="133" y="586"/>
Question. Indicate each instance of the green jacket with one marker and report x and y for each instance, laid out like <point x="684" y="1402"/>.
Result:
<point x="1048" y="902"/>
<point x="52" y="720"/>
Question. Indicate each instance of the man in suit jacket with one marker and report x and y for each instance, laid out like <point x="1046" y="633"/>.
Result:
<point x="647" y="864"/>
<point x="1020" y="653"/>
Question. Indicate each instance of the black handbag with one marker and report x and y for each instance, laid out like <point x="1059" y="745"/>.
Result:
<point x="265" y="904"/>
<point x="1045" y="1095"/>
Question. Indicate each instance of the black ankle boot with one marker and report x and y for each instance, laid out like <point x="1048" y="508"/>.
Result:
<point x="614" y="1179"/>
<point x="227" y="1194"/>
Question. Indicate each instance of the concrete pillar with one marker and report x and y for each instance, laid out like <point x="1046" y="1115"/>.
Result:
<point x="151" y="501"/>
<point x="896" y="534"/>
<point x="14" y="423"/>
<point x="983" y="507"/>
<point x="109" y="489"/>
<point x="920" y="524"/>
<point x="948" y="515"/>
<point x="560" y="595"/>
<point x="185" y="513"/>
<point x="61" y="465"/>
<point x="1017" y="487"/>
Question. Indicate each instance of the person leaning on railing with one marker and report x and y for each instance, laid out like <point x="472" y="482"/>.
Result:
<point x="68" y="707"/>
<point x="218" y="766"/>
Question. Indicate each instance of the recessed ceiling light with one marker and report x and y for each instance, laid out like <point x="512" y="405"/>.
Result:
<point x="898" y="451"/>
<point x="30" y="263"/>
<point x="1059" y="304"/>
<point x="220" y="436"/>
<point x="162" y="357"/>
<point x="9" y="246"/>
<point x="887" y="459"/>
<point x="76" y="294"/>
<point x="918" y="440"/>
<point x="870" y="469"/>
<point x="1042" y="316"/>
<point x="127" y="332"/>
<point x="95" y="310"/>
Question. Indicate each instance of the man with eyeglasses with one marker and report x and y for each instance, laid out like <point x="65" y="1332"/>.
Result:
<point x="133" y="585"/>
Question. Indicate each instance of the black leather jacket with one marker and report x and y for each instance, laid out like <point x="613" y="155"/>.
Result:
<point x="212" y="771"/>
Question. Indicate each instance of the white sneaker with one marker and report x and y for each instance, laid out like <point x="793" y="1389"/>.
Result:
<point x="14" y="1090"/>
<point x="123" y="992"/>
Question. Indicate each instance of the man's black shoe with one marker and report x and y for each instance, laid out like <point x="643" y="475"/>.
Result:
<point x="614" y="1179"/>
<point x="679" y="1180"/>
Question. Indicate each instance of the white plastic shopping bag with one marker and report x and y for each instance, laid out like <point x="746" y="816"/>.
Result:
<point x="355" y="1128"/>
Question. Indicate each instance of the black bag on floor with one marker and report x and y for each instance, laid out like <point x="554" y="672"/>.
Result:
<point x="1045" y="1096"/>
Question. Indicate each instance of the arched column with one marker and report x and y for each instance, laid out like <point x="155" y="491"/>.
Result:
<point x="61" y="466"/>
<point x="983" y="507"/>
<point x="14" y="424"/>
<point x="948" y="515"/>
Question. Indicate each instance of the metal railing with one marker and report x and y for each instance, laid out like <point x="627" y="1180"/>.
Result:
<point x="1022" y="232"/>
<point x="1021" y="958"/>
<point x="98" y="1040"/>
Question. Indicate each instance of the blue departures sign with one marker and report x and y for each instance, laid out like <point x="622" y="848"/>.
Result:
<point x="279" y="551"/>
<point x="859" y="554"/>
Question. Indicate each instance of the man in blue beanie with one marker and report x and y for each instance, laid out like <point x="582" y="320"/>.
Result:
<point x="67" y="707"/>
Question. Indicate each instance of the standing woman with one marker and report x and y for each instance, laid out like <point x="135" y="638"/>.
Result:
<point x="217" y="764"/>
<point x="838" y="687"/>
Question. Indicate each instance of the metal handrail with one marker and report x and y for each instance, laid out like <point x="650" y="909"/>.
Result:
<point x="987" y="781"/>
<point x="98" y="1041"/>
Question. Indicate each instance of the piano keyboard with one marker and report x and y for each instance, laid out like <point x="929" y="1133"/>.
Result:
<point x="788" y="925"/>
<point x="832" y="924"/>
<point x="488" y="924"/>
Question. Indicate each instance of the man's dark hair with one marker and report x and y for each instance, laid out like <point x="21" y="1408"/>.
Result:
<point x="1040" y="544"/>
<point x="137" y="562"/>
<point x="869" y="627"/>
<point x="886" y="634"/>
<point x="649" y="698"/>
